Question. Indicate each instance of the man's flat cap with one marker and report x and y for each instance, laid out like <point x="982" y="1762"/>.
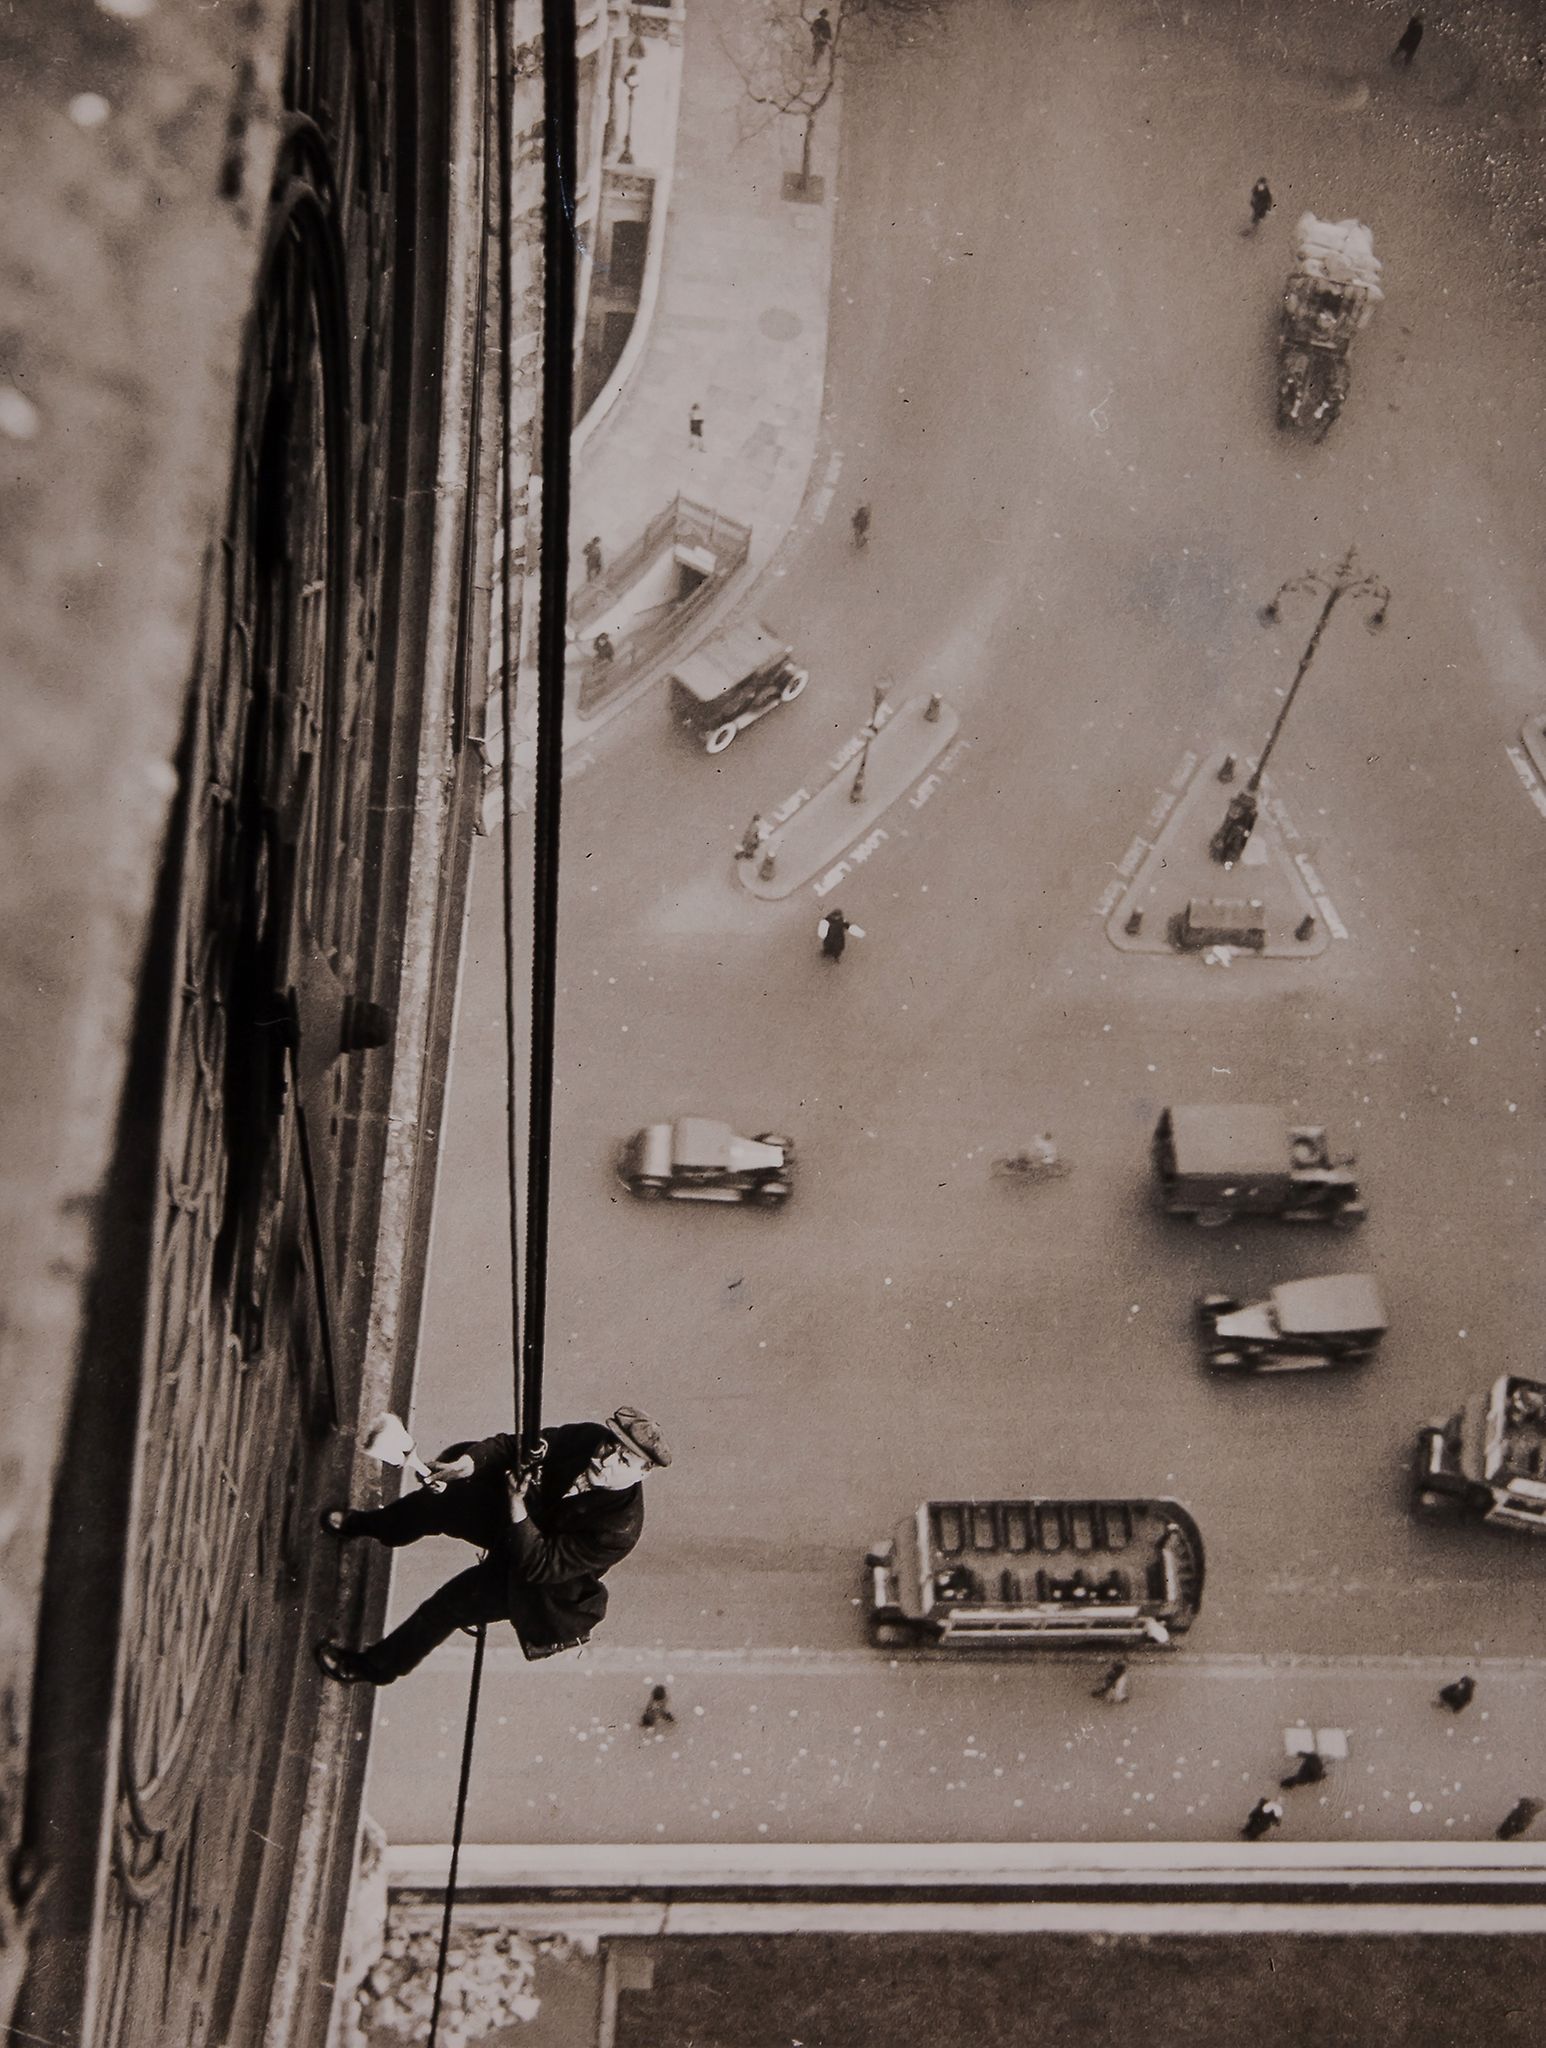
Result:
<point x="640" y="1434"/>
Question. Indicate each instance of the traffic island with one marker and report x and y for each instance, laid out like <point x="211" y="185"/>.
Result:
<point x="1181" y="900"/>
<point x="881" y="762"/>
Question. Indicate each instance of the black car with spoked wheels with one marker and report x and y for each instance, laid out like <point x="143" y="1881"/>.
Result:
<point x="727" y="685"/>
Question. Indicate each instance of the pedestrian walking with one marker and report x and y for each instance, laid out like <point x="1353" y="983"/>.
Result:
<point x="821" y="35"/>
<point x="834" y="932"/>
<point x="1263" y="1817"/>
<point x="861" y="525"/>
<point x="695" y="422"/>
<point x="593" y="558"/>
<point x="1406" y="48"/>
<point x="657" y="1709"/>
<point x="1113" y="1688"/>
<point x="1458" y="1695"/>
<point x="752" y="840"/>
<point x="1262" y="203"/>
<point x="1311" y="1769"/>
<point x="604" y="650"/>
<point x="550" y="1528"/>
<point x="1517" y="1819"/>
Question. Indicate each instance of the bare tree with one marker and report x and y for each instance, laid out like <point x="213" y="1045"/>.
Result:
<point x="792" y="65"/>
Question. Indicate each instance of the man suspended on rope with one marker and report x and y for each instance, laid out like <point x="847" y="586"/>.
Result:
<point x="550" y="1529"/>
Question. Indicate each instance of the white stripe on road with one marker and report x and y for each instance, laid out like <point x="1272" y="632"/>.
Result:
<point x="845" y="1664"/>
<point x="1528" y="777"/>
<point x="1322" y="901"/>
<point x="821" y="501"/>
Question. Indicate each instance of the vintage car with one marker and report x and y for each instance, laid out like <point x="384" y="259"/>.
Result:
<point x="1035" y="1574"/>
<point x="698" y="1159"/>
<point x="1487" y="1462"/>
<point x="734" y="680"/>
<point x="1217" y="1161"/>
<point x="1303" y="1324"/>
<point x="1331" y="294"/>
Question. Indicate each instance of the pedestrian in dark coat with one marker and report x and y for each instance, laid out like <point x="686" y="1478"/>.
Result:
<point x="1263" y="1817"/>
<point x="834" y="932"/>
<point x="551" y="1531"/>
<point x="695" y="422"/>
<point x="821" y="35"/>
<point x="1458" y="1695"/>
<point x="1262" y="203"/>
<point x="605" y="651"/>
<point x="1411" y="36"/>
<point x="1519" y="1816"/>
<point x="1113" y="1688"/>
<point x="1311" y="1769"/>
<point x="593" y="558"/>
<point x="657" y="1709"/>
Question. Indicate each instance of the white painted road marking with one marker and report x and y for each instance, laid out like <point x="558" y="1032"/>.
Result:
<point x="1323" y="902"/>
<point x="1528" y="777"/>
<point x="788" y="1663"/>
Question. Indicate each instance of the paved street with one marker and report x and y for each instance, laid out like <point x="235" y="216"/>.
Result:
<point x="1051" y="374"/>
<point x="772" y="1746"/>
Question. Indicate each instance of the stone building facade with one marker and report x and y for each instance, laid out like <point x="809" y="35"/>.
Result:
<point x="250" y="415"/>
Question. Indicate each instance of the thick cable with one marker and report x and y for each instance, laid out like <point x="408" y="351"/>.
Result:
<point x="560" y="93"/>
<point x="468" y="1733"/>
<point x="528" y="1330"/>
<point x="503" y="144"/>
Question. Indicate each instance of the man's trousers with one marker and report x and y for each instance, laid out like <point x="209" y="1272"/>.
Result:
<point x="474" y="1510"/>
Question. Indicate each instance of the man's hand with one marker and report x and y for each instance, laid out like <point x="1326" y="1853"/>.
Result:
<point x="515" y="1494"/>
<point x="450" y="1468"/>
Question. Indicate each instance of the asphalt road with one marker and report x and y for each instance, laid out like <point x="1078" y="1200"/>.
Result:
<point x="1051" y="375"/>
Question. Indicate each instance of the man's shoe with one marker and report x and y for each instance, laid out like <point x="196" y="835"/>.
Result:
<point x="348" y="1667"/>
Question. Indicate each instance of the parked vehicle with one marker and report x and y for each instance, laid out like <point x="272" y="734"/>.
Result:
<point x="1031" y="1573"/>
<point x="1331" y="294"/>
<point x="1217" y="1161"/>
<point x="732" y="681"/>
<point x="697" y="1159"/>
<point x="1487" y="1462"/>
<point x="1301" y="1325"/>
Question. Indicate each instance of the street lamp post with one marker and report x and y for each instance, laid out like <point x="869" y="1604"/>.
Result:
<point x="1228" y="842"/>
<point x="630" y="86"/>
<point x="856" y="791"/>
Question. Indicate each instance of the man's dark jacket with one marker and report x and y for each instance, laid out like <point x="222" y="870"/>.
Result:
<point x="554" y="1560"/>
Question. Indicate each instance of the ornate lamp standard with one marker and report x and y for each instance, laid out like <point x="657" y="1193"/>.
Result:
<point x="1228" y="842"/>
<point x="630" y="86"/>
<point x="856" y="792"/>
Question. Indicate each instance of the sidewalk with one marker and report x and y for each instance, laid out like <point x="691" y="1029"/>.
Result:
<point x="739" y="328"/>
<point x="788" y="1746"/>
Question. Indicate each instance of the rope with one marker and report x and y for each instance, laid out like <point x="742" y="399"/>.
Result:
<point x="561" y="100"/>
<point x="560" y="104"/>
<point x="503" y="143"/>
<point x="456" y="1833"/>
